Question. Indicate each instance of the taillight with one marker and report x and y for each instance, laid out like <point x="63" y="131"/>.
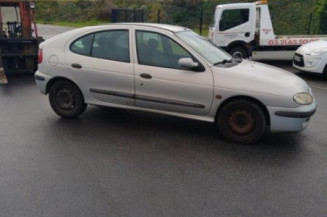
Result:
<point x="40" y="56"/>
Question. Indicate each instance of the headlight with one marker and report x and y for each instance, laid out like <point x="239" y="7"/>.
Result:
<point x="317" y="52"/>
<point x="303" y="98"/>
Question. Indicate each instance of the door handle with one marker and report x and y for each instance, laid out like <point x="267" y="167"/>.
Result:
<point x="76" y="65"/>
<point x="247" y="34"/>
<point x="146" y="76"/>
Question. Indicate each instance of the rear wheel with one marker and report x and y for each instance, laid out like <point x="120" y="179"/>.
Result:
<point x="239" y="53"/>
<point x="66" y="99"/>
<point x="324" y="74"/>
<point x="242" y="121"/>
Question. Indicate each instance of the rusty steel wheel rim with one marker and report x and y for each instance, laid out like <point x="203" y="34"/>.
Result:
<point x="241" y="121"/>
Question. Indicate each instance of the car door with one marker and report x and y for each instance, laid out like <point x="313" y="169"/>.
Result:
<point x="101" y="64"/>
<point x="161" y="84"/>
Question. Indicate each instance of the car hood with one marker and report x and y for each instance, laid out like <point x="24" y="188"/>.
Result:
<point x="308" y="48"/>
<point x="257" y="77"/>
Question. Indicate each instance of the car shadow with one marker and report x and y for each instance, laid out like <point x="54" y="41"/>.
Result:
<point x="159" y="132"/>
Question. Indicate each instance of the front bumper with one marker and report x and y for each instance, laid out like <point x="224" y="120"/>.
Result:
<point x="42" y="80"/>
<point x="309" y="63"/>
<point x="291" y="119"/>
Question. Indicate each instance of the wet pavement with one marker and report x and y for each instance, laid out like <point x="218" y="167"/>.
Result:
<point x="113" y="162"/>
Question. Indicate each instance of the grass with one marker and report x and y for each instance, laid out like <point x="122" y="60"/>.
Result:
<point x="205" y="31"/>
<point x="73" y="24"/>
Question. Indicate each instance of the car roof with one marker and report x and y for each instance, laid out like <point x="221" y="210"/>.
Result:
<point x="171" y="28"/>
<point x="165" y="27"/>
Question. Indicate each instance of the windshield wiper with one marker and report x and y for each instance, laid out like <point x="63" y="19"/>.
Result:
<point x="224" y="62"/>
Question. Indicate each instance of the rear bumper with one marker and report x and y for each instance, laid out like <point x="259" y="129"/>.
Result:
<point x="42" y="80"/>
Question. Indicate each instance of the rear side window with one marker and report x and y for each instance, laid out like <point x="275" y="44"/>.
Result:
<point x="82" y="45"/>
<point x="110" y="45"/>
<point x="232" y="18"/>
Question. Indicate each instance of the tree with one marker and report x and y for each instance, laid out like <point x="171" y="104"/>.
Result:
<point x="321" y="12"/>
<point x="152" y="12"/>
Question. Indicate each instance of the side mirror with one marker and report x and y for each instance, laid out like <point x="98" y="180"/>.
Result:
<point x="188" y="63"/>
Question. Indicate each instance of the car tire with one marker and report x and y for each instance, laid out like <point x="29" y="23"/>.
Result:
<point x="239" y="53"/>
<point x="66" y="99"/>
<point x="324" y="74"/>
<point x="242" y="121"/>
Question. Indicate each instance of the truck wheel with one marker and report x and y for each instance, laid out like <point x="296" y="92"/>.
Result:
<point x="242" y="121"/>
<point x="66" y="99"/>
<point x="239" y="53"/>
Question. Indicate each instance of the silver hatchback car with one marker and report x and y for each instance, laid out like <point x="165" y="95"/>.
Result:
<point x="173" y="71"/>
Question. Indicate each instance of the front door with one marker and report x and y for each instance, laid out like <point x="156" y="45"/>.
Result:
<point x="161" y="84"/>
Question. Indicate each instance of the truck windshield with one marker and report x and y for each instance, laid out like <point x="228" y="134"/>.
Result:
<point x="204" y="47"/>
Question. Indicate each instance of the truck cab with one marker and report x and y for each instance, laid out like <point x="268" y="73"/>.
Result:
<point x="233" y="24"/>
<point x="245" y="30"/>
<point x="237" y="26"/>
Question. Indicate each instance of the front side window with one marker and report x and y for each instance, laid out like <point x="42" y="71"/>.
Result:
<point x="158" y="50"/>
<point x="232" y="18"/>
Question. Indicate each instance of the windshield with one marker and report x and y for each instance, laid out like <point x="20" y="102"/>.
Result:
<point x="204" y="47"/>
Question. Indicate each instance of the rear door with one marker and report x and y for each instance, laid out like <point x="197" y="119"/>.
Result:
<point x="101" y="63"/>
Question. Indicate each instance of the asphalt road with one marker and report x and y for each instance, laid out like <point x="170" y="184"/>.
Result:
<point x="112" y="162"/>
<point x="48" y="31"/>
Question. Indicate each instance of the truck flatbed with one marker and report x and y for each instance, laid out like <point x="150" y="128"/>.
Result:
<point x="19" y="39"/>
<point x="291" y="40"/>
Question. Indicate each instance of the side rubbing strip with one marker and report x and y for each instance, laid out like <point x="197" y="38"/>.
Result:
<point x="148" y="98"/>
<point x="113" y="93"/>
<point x="295" y="114"/>
<point x="39" y="78"/>
<point x="169" y="101"/>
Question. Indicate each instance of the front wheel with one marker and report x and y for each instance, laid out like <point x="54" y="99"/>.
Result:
<point x="66" y="99"/>
<point x="239" y="53"/>
<point x="242" y="121"/>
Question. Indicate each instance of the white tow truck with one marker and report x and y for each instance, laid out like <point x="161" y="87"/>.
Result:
<point x="245" y="30"/>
